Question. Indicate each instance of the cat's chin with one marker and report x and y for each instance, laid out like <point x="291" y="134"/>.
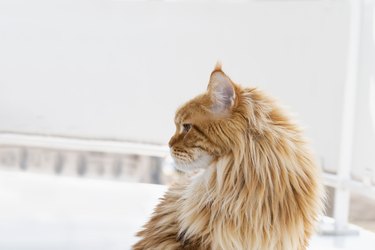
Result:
<point x="201" y="162"/>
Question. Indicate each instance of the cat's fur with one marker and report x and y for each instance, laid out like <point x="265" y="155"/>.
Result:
<point x="259" y="188"/>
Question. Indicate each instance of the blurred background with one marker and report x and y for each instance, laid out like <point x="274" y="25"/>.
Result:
<point x="88" y="91"/>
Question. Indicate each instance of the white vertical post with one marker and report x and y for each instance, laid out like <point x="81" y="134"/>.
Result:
<point x="342" y="194"/>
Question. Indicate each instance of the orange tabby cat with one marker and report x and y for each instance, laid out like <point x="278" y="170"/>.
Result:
<point x="259" y="188"/>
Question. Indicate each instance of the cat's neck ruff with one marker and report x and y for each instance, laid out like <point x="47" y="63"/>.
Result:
<point x="213" y="201"/>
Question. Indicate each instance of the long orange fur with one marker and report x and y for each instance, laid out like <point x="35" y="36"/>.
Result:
<point x="259" y="187"/>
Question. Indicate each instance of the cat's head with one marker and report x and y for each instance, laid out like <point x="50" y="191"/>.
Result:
<point x="205" y="126"/>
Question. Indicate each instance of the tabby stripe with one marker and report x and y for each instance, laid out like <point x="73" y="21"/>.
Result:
<point x="200" y="132"/>
<point x="200" y="147"/>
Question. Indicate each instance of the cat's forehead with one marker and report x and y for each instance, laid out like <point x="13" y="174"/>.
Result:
<point x="185" y="113"/>
<point x="194" y="110"/>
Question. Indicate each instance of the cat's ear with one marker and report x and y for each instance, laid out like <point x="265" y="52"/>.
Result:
<point x="221" y="90"/>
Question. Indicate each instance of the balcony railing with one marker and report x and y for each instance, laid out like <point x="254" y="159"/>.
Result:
<point x="122" y="161"/>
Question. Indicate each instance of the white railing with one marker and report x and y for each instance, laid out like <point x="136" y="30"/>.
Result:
<point x="342" y="194"/>
<point x="82" y="144"/>
<point x="135" y="162"/>
<point x="61" y="144"/>
<point x="358" y="72"/>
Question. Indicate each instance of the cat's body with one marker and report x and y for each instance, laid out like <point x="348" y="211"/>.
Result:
<point x="259" y="188"/>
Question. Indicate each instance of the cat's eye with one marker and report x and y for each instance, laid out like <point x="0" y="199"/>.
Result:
<point x="186" y="127"/>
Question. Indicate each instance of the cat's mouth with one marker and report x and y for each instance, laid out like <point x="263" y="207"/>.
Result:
<point x="186" y="163"/>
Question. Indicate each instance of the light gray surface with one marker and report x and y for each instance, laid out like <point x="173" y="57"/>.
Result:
<point x="49" y="212"/>
<point x="55" y="213"/>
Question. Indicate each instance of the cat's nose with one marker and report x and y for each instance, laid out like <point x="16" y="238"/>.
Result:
<point x="172" y="141"/>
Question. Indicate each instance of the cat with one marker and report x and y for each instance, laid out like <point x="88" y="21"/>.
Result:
<point x="258" y="188"/>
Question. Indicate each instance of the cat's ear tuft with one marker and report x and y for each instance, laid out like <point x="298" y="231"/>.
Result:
<point x="221" y="90"/>
<point x="218" y="66"/>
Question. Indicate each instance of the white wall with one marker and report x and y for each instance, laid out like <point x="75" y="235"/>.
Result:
<point x="119" y="69"/>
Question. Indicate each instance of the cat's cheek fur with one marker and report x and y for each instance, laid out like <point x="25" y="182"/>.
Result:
<point x="201" y="161"/>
